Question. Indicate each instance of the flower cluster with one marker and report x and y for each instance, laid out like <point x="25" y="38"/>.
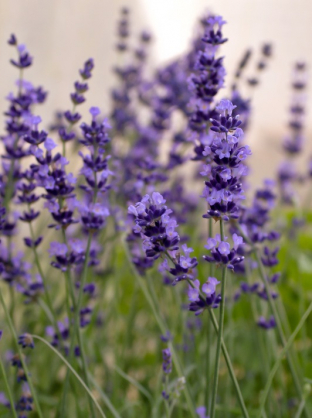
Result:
<point x="207" y="298"/>
<point x="208" y="76"/>
<point x="77" y="98"/>
<point x="224" y="168"/>
<point x="19" y="139"/>
<point x="153" y="222"/>
<point x="222" y="253"/>
<point x="157" y="229"/>
<point x="94" y="209"/>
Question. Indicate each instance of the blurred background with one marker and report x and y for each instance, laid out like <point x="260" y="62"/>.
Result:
<point x="62" y="34"/>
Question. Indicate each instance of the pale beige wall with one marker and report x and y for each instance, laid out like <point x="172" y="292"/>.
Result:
<point x="61" y="34"/>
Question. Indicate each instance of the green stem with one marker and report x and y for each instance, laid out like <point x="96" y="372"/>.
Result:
<point x="219" y="342"/>
<point x="134" y="383"/>
<point x="220" y="333"/>
<point x="70" y="287"/>
<point x="207" y="386"/>
<point x="70" y="297"/>
<point x="13" y="332"/>
<point x="229" y="366"/>
<point x="172" y="407"/>
<point x="45" y="284"/>
<point x="284" y="351"/>
<point x="77" y="330"/>
<point x="166" y="400"/>
<point x="105" y="398"/>
<point x="207" y="398"/>
<point x="91" y="397"/>
<point x="12" y="303"/>
<point x="300" y="409"/>
<point x="9" y="392"/>
<point x="226" y="357"/>
<point x="64" y="149"/>
<point x="162" y="328"/>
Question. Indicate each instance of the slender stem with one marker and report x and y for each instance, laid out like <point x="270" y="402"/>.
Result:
<point x="264" y="360"/>
<point x="163" y="329"/>
<point x="135" y="383"/>
<point x="91" y="397"/>
<point x="172" y="407"/>
<point x="13" y="332"/>
<point x="300" y="408"/>
<point x="280" y="330"/>
<point x="166" y="400"/>
<point x="45" y="284"/>
<point x="104" y="397"/>
<point x="70" y="297"/>
<point x="229" y="366"/>
<point x="219" y="342"/>
<point x="208" y="364"/>
<point x="207" y="386"/>
<point x="12" y="302"/>
<point x="76" y="332"/>
<point x="227" y="360"/>
<point x="77" y="319"/>
<point x="70" y="287"/>
<point x="226" y="357"/>
<point x="220" y="333"/>
<point x="9" y="392"/>
<point x="284" y="351"/>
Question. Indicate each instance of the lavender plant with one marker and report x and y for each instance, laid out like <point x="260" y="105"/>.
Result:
<point x="141" y="273"/>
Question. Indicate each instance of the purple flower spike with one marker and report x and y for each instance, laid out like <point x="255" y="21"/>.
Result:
<point x="167" y="361"/>
<point x="222" y="165"/>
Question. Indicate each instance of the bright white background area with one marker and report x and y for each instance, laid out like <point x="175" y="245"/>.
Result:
<point x="61" y="34"/>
